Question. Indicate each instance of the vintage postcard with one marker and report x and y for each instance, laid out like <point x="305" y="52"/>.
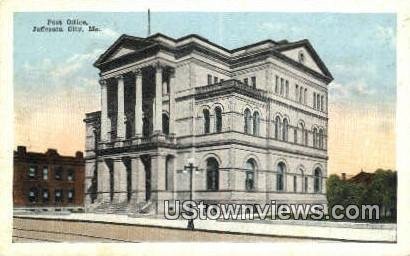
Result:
<point x="173" y="125"/>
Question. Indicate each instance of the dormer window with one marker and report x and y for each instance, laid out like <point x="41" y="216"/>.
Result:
<point x="301" y="57"/>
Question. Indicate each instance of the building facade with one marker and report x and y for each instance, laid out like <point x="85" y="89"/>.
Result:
<point x="48" y="181"/>
<point x="253" y="119"/>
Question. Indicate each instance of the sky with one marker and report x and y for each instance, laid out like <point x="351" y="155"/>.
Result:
<point x="55" y="83"/>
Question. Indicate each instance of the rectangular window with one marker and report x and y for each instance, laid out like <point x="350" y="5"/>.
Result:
<point x="215" y="79"/>
<point x="281" y="86"/>
<point x="297" y="91"/>
<point x="276" y="84"/>
<point x="45" y="195"/>
<point x="321" y="103"/>
<point x="253" y="79"/>
<point x="287" y="89"/>
<point x="245" y="81"/>
<point x="294" y="184"/>
<point x="304" y="97"/>
<point x="70" y="195"/>
<point x="209" y="79"/>
<point x="295" y="135"/>
<point x="32" y="172"/>
<point x="306" y="184"/>
<point x="70" y="175"/>
<point x="32" y="195"/>
<point x="58" y="173"/>
<point x="314" y="100"/>
<point x="45" y="173"/>
<point x="58" y="196"/>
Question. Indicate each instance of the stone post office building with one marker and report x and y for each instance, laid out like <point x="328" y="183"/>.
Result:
<point x="254" y="119"/>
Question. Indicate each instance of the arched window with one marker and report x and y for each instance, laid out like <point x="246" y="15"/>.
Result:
<point x="256" y="121"/>
<point x="165" y="123"/>
<point x="280" y="177"/>
<point x="314" y="137"/>
<point x="218" y="119"/>
<point x="302" y="181"/>
<point x="212" y="174"/>
<point x="285" y="130"/>
<point x="206" y="121"/>
<point x="250" y="174"/>
<point x="318" y="181"/>
<point x="247" y="121"/>
<point x="301" y="127"/>
<point x="321" y="138"/>
<point x="277" y="127"/>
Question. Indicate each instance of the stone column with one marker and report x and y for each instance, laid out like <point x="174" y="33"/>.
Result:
<point x="137" y="180"/>
<point x="120" y="181"/>
<point x="138" y="103"/>
<point x="164" y="88"/>
<point x="120" y="109"/>
<point x="158" y="99"/>
<point x="105" y="122"/>
<point x="158" y="180"/>
<point x="103" y="182"/>
<point x="172" y="103"/>
<point x="89" y="174"/>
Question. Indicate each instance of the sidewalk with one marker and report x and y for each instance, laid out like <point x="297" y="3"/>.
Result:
<point x="337" y="231"/>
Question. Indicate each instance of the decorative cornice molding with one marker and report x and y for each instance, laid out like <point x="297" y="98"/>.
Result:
<point x="137" y="71"/>
<point x="180" y="52"/>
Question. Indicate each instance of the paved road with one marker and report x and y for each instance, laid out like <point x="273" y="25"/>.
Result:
<point x="49" y="230"/>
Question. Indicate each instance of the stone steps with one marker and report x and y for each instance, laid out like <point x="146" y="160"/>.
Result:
<point x="126" y="208"/>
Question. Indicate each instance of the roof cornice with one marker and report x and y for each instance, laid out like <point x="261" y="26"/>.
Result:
<point x="179" y="51"/>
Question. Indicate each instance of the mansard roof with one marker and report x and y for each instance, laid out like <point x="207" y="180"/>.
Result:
<point x="131" y="48"/>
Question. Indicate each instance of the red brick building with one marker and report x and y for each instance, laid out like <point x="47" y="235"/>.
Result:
<point x="48" y="180"/>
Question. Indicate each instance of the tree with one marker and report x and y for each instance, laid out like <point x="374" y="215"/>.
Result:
<point x="343" y="193"/>
<point x="381" y="190"/>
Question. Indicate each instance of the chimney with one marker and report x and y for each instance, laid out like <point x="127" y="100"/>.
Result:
<point x="21" y="150"/>
<point x="51" y="152"/>
<point x="79" y="155"/>
<point x="343" y="176"/>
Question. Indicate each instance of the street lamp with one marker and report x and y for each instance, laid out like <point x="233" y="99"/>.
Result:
<point x="190" y="167"/>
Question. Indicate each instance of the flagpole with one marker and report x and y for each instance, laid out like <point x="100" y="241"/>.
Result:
<point x="149" y="22"/>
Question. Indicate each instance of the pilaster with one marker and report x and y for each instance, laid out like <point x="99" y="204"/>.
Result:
<point x="120" y="110"/>
<point x="120" y="181"/>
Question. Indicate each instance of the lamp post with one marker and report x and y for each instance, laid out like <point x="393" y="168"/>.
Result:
<point x="190" y="167"/>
